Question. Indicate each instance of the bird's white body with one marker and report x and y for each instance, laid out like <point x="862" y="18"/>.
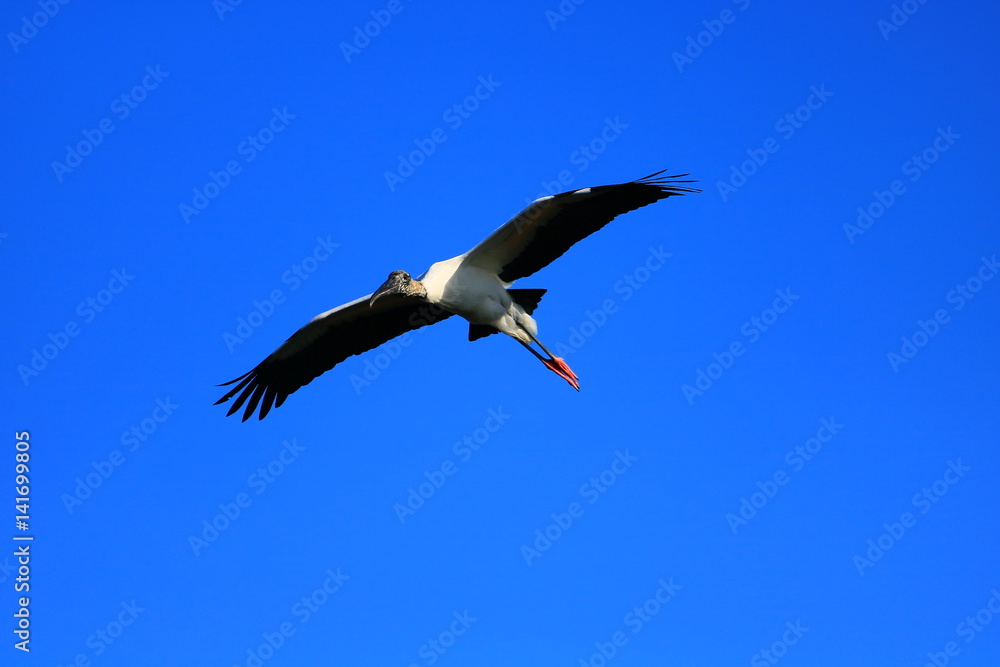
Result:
<point x="477" y="294"/>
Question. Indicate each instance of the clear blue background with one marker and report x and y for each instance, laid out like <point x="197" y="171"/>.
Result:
<point x="363" y="447"/>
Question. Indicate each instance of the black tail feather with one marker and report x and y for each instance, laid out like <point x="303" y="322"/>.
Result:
<point x="477" y="331"/>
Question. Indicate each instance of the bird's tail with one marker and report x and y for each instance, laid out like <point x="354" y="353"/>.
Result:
<point x="526" y="298"/>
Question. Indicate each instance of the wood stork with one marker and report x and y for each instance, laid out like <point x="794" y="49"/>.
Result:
<point x="475" y="285"/>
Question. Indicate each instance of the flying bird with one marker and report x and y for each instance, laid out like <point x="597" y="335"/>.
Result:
<point x="476" y="286"/>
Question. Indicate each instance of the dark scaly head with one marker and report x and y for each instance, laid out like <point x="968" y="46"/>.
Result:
<point x="399" y="282"/>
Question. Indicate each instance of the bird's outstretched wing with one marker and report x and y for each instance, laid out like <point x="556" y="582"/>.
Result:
<point x="549" y="226"/>
<point x="320" y="345"/>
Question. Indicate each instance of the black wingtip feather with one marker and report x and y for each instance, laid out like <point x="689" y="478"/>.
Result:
<point x="267" y="402"/>
<point x="666" y="183"/>
<point x="243" y="381"/>
<point x="242" y="398"/>
<point x="254" y="400"/>
<point x="226" y="384"/>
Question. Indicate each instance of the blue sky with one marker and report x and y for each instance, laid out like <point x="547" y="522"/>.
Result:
<point x="784" y="449"/>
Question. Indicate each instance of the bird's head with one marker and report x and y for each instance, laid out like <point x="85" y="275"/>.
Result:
<point x="399" y="282"/>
